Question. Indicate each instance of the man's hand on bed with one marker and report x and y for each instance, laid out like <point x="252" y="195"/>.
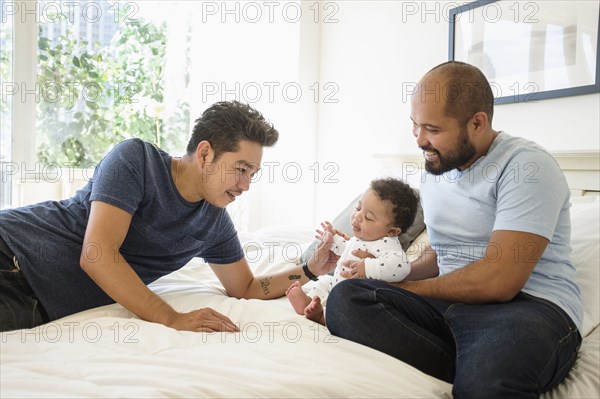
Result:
<point x="203" y="320"/>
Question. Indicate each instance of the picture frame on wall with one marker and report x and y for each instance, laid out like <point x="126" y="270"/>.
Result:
<point x="529" y="50"/>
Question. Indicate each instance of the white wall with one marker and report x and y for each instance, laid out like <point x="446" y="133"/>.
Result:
<point x="363" y="55"/>
<point x="270" y="65"/>
<point x="378" y="47"/>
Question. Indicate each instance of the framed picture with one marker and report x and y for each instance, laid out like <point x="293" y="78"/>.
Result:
<point x="529" y="50"/>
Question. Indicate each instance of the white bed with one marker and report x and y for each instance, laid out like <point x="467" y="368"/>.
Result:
<point x="107" y="352"/>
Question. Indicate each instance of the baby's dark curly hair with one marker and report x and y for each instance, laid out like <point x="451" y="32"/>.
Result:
<point x="403" y="198"/>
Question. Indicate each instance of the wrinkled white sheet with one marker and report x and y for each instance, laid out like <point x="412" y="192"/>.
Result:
<point x="107" y="352"/>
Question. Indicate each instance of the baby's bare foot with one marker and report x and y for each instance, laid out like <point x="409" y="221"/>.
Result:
<point x="297" y="297"/>
<point x="314" y="311"/>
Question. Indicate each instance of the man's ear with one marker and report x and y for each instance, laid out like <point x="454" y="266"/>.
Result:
<point x="394" y="232"/>
<point x="480" y="120"/>
<point x="204" y="152"/>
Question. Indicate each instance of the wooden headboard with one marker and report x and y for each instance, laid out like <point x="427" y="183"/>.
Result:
<point x="581" y="168"/>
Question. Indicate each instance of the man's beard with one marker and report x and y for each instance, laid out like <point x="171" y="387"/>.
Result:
<point x="457" y="157"/>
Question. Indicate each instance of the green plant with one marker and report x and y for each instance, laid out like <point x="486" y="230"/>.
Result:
<point x="5" y="77"/>
<point x="93" y="97"/>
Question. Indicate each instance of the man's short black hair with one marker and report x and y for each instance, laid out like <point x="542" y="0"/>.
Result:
<point x="226" y="123"/>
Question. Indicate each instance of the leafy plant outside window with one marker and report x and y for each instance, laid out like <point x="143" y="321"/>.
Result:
<point x="92" y="99"/>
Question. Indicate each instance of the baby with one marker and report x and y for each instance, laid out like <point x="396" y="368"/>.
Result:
<point x="386" y="209"/>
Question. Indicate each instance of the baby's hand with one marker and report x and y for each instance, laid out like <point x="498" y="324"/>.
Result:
<point x="327" y="228"/>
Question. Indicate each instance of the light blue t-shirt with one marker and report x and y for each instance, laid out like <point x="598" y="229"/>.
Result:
<point x="166" y="231"/>
<point x="517" y="186"/>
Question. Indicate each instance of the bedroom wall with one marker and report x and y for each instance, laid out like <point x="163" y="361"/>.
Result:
<point x="363" y="56"/>
<point x="373" y="52"/>
<point x="272" y="68"/>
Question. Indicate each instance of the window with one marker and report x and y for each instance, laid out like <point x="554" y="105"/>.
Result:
<point x="6" y="67"/>
<point x="96" y="72"/>
<point x="101" y="79"/>
<point x="93" y="73"/>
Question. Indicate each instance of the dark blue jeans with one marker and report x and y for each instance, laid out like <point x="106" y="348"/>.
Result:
<point x="19" y="307"/>
<point x="517" y="349"/>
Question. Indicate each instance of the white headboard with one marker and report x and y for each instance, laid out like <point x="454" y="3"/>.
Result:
<point x="581" y="168"/>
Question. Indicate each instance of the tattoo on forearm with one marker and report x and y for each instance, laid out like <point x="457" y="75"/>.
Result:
<point x="294" y="277"/>
<point x="264" y="284"/>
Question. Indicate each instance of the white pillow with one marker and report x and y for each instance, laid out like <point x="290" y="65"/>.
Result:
<point x="585" y="242"/>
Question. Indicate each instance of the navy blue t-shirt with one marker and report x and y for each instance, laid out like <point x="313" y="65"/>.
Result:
<point x="166" y="231"/>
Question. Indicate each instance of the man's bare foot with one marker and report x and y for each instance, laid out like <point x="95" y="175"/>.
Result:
<point x="314" y="311"/>
<point x="297" y="297"/>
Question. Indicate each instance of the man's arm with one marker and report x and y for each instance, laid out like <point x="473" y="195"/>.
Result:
<point x="101" y="260"/>
<point x="239" y="282"/>
<point x="425" y="266"/>
<point x="498" y="277"/>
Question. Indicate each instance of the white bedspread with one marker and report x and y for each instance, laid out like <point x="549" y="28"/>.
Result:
<point x="106" y="352"/>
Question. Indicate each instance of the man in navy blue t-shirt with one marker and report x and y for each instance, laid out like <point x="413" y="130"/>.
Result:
<point x="143" y="215"/>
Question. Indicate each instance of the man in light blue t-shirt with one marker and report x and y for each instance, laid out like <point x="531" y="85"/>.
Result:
<point x="143" y="215"/>
<point x="492" y="305"/>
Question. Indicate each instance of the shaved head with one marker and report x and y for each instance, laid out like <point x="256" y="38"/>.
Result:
<point x="463" y="87"/>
